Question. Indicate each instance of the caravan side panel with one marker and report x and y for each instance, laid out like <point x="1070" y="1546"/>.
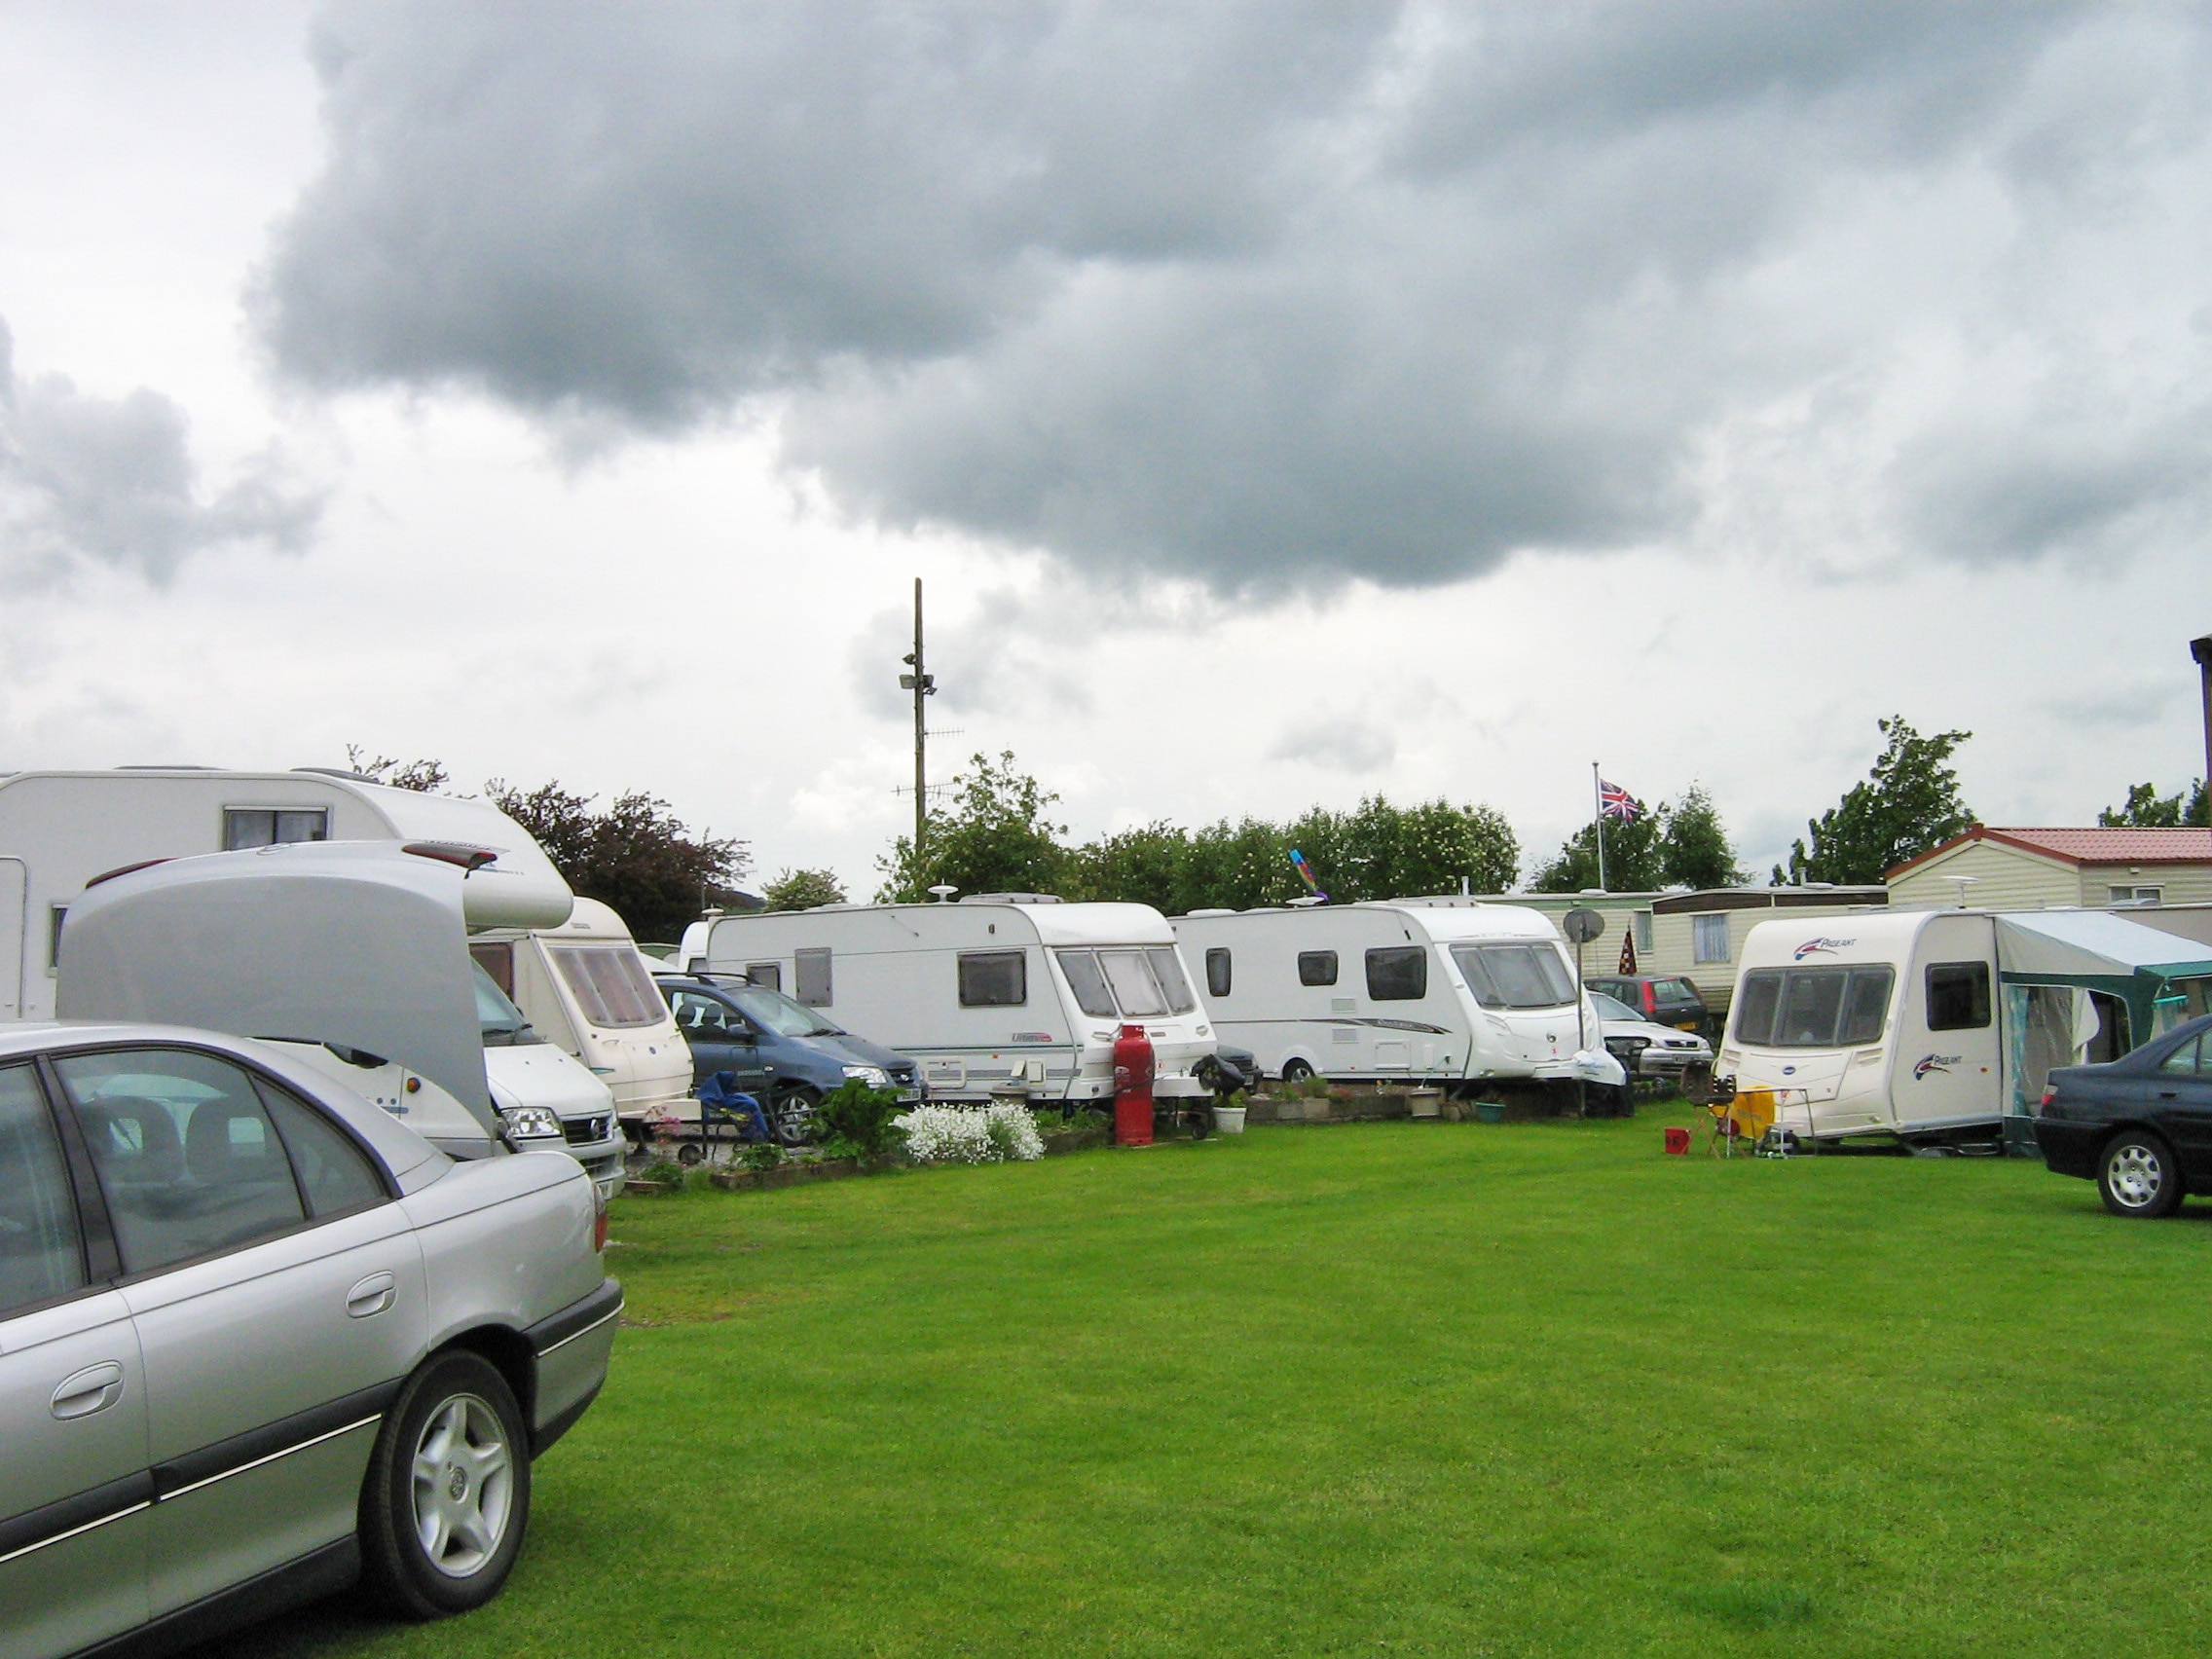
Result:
<point x="1946" y="1061"/>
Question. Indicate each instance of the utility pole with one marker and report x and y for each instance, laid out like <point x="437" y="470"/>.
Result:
<point x="922" y="685"/>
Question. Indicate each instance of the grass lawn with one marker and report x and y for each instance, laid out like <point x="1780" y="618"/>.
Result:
<point x="1391" y="1388"/>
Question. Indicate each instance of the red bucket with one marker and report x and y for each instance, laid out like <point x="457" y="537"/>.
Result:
<point x="1677" y="1142"/>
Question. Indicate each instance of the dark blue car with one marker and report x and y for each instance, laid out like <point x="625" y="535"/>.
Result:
<point x="782" y="1054"/>
<point x="2140" y="1126"/>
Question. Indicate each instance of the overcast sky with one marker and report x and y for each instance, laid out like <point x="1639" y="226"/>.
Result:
<point x="1284" y="403"/>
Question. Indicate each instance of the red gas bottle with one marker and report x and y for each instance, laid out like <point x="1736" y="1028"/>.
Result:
<point x="1132" y="1088"/>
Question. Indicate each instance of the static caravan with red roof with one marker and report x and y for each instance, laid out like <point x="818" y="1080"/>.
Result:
<point x="2024" y="870"/>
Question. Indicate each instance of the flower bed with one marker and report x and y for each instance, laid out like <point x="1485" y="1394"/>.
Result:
<point x="965" y="1134"/>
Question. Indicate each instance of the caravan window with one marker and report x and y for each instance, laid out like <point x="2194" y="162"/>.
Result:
<point x="1399" y="973"/>
<point x="1134" y="987"/>
<point x="498" y="961"/>
<point x="1317" y="967"/>
<point x="1516" y="975"/>
<point x="993" y="978"/>
<point x="810" y="972"/>
<point x="1217" y="972"/>
<point x="1088" y="982"/>
<point x="1958" y="996"/>
<point x="610" y="984"/>
<point x="265" y="826"/>
<point x="766" y="974"/>
<point x="1813" y="1008"/>
<point x="1174" y="983"/>
<point x="1709" y="938"/>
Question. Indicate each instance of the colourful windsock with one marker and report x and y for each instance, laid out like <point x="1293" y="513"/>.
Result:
<point x="1305" y="873"/>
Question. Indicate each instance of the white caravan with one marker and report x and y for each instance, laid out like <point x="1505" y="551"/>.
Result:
<point x="351" y="956"/>
<point x="996" y="990"/>
<point x="1942" y="1025"/>
<point x="1442" y="990"/>
<point x="585" y="989"/>
<point x="60" y="829"/>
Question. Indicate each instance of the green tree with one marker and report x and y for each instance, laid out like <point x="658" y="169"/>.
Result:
<point x="995" y="838"/>
<point x="2145" y="808"/>
<point x="1635" y="860"/>
<point x="636" y="856"/>
<point x="1150" y="866"/>
<point x="803" y="888"/>
<point x="1910" y="803"/>
<point x="1694" y="849"/>
<point x="424" y="777"/>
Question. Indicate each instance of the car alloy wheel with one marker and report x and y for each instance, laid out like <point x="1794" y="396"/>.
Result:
<point x="446" y="1497"/>
<point x="463" y="1486"/>
<point x="791" y="1112"/>
<point x="2138" y="1177"/>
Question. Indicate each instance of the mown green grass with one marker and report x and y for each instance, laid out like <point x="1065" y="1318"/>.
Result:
<point x="1395" y="1388"/>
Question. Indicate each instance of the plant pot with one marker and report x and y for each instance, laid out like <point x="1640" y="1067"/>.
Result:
<point x="1229" y="1119"/>
<point x="1489" y="1111"/>
<point x="1425" y="1104"/>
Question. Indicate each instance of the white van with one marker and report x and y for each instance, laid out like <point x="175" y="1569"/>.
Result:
<point x="1000" y="989"/>
<point x="1941" y="1025"/>
<point x="1442" y="990"/>
<point x="352" y="956"/>
<point x="586" y="990"/>
<point x="60" y="831"/>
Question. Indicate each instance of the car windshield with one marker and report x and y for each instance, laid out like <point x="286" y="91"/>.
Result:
<point x="499" y="1022"/>
<point x="1612" y="1008"/>
<point x="1525" y="975"/>
<point x="777" y="1012"/>
<point x="610" y="984"/>
<point x="1813" y="1008"/>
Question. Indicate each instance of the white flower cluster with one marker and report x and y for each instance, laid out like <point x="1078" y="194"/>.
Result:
<point x="965" y="1134"/>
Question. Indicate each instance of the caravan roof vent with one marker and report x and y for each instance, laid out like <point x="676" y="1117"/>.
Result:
<point x="1010" y="899"/>
<point x="1213" y="912"/>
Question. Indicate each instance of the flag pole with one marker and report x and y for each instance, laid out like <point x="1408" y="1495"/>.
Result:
<point x="1597" y="801"/>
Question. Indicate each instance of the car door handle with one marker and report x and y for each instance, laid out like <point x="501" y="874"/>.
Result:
<point x="92" y="1389"/>
<point x="373" y="1295"/>
<point x="2169" y="1094"/>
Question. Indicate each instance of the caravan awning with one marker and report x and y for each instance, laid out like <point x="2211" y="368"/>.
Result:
<point x="2095" y="949"/>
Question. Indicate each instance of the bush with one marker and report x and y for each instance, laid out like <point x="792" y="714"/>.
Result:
<point x="856" y="1121"/>
<point x="666" y="1171"/>
<point x="968" y="1134"/>
<point x="761" y="1156"/>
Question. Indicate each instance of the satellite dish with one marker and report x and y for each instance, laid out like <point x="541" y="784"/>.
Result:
<point x="1581" y="925"/>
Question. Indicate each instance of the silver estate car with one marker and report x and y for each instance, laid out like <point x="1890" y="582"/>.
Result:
<point x="258" y="1340"/>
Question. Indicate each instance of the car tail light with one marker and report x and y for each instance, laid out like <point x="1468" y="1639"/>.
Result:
<point x="598" y="1219"/>
<point x="2049" y="1095"/>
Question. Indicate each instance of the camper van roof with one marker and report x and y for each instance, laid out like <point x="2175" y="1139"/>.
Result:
<point x="1086" y="923"/>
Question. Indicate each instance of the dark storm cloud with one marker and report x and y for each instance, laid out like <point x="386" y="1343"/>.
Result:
<point x="110" y="481"/>
<point x="1266" y="294"/>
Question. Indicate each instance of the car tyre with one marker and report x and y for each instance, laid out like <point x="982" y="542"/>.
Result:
<point x="2137" y="1176"/>
<point x="446" y="1497"/>
<point x="791" y="1112"/>
<point x="1296" y="1072"/>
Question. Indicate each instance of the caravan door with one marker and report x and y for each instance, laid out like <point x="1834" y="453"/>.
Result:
<point x="1948" y="1066"/>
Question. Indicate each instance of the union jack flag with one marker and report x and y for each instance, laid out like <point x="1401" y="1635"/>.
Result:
<point x="1613" y="801"/>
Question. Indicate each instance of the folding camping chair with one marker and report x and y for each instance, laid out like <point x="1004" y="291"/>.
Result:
<point x="1724" y="1121"/>
<point x="722" y="1103"/>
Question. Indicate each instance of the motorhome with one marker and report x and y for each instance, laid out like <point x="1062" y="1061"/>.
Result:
<point x="1450" y="991"/>
<point x="1004" y="990"/>
<point x="586" y="990"/>
<point x="60" y="829"/>
<point x="355" y="954"/>
<point x="1939" y="1026"/>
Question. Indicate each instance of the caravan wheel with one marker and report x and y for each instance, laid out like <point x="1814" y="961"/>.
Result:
<point x="2137" y="1176"/>
<point x="1296" y="1072"/>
